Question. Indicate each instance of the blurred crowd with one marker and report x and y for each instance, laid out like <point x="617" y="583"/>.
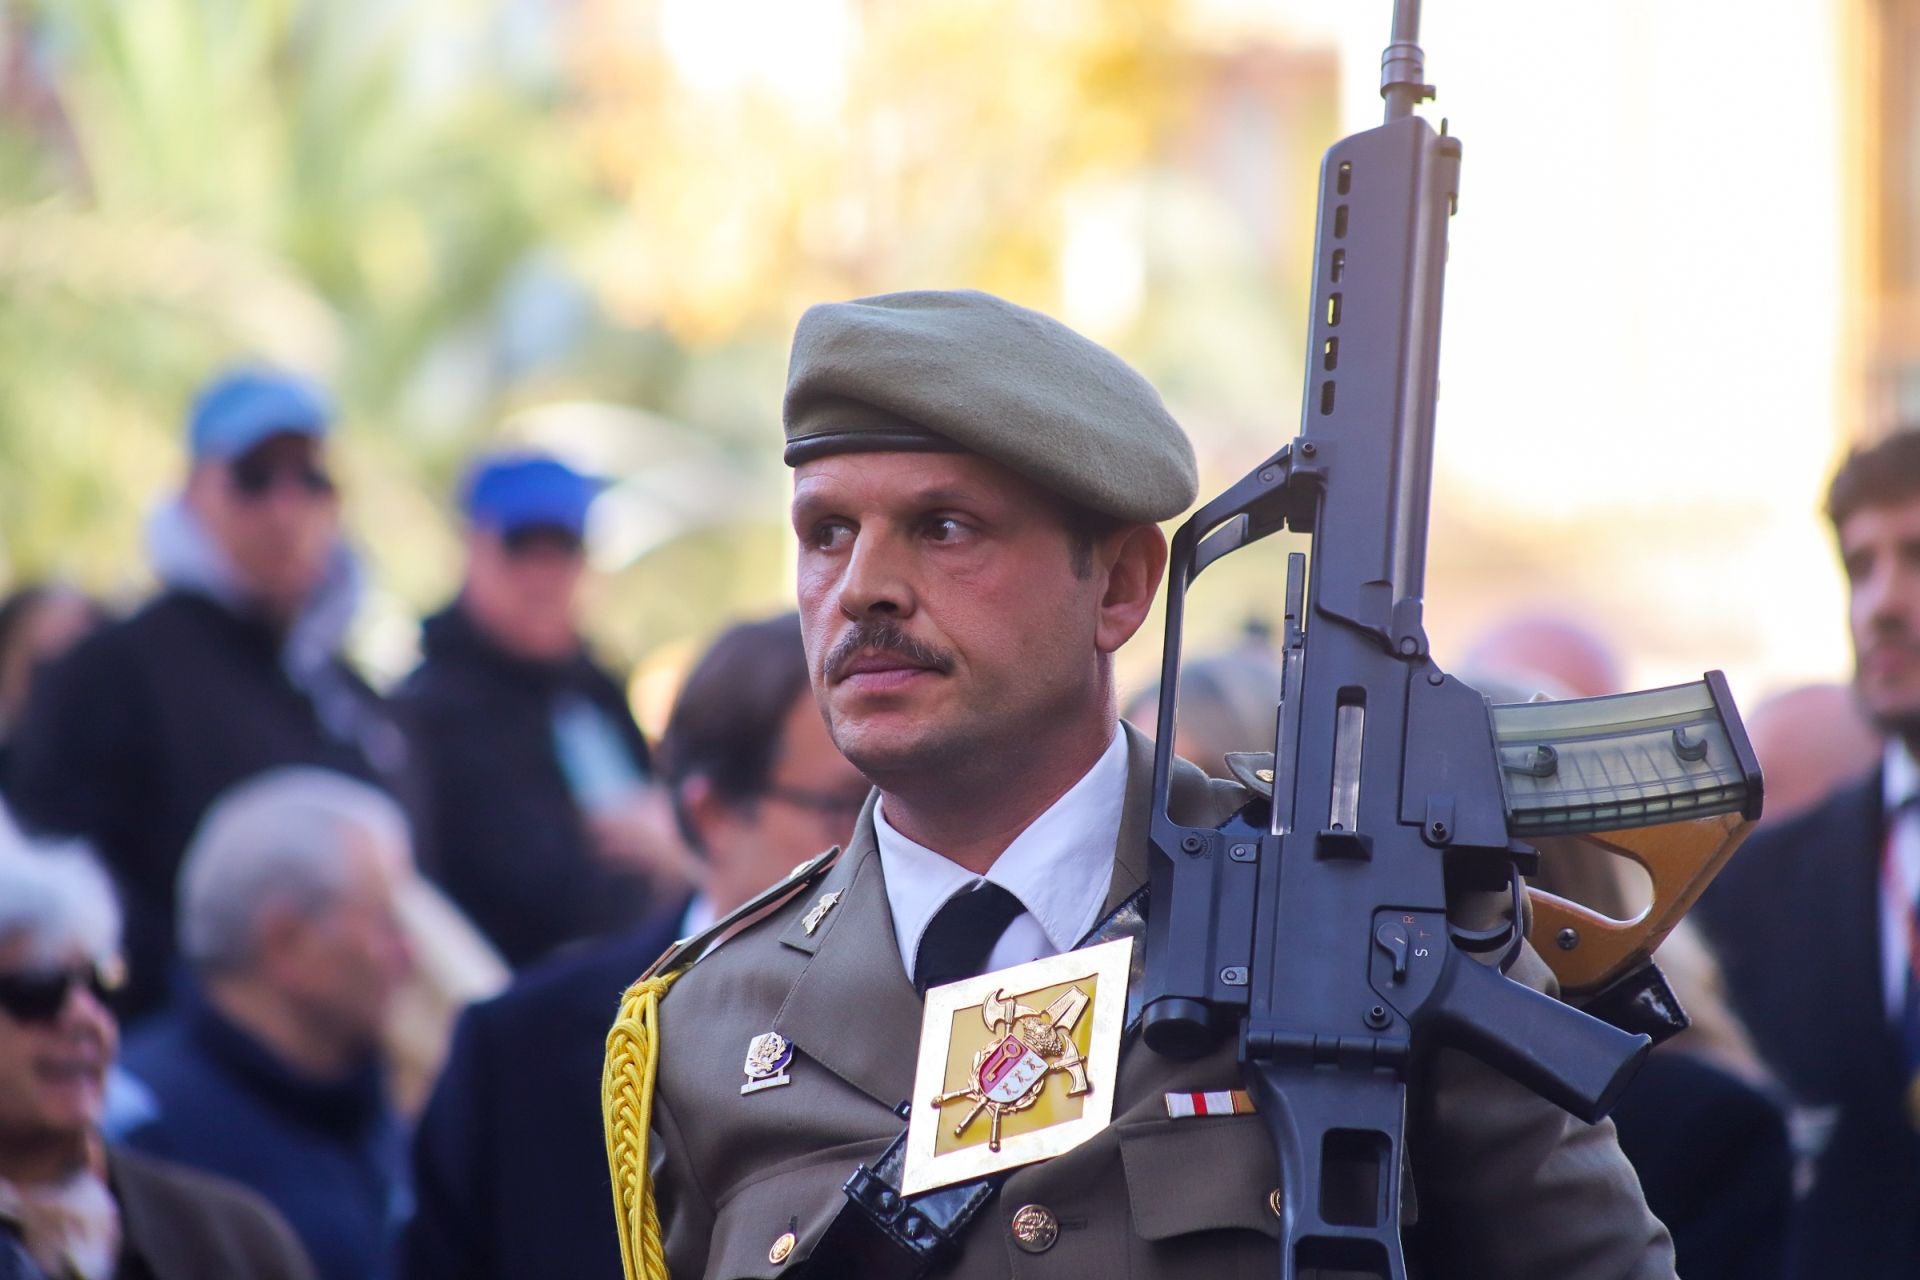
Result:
<point x="286" y="887"/>
<point x="364" y="945"/>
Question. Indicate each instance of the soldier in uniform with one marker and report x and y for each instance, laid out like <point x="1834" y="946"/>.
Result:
<point x="976" y="491"/>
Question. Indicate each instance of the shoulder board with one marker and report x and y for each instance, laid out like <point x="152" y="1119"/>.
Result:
<point x="1253" y="770"/>
<point x="683" y="953"/>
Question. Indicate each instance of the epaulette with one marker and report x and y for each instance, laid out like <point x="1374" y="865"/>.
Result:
<point x="633" y="1063"/>
<point x="686" y="951"/>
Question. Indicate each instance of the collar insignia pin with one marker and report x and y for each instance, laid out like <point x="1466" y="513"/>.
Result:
<point x="826" y="903"/>
<point x="769" y="1054"/>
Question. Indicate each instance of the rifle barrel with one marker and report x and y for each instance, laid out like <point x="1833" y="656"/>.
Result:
<point x="1403" y="66"/>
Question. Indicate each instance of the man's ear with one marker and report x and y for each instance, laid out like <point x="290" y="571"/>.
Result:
<point x="198" y="493"/>
<point x="278" y="929"/>
<point x="706" y="813"/>
<point x="1134" y="559"/>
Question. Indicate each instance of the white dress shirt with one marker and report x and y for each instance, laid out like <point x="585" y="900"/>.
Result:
<point x="699" y="913"/>
<point x="1899" y="869"/>
<point x="1060" y="868"/>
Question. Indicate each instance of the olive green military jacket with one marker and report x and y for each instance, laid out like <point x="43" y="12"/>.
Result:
<point x="1508" y="1187"/>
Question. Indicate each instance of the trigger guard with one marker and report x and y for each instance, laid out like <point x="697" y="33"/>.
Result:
<point x="1505" y="938"/>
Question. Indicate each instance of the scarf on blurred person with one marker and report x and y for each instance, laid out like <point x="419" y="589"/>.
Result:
<point x="185" y="559"/>
<point x="71" y="1229"/>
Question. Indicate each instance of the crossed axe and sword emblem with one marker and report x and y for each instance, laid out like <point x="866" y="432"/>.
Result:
<point x="1010" y="1074"/>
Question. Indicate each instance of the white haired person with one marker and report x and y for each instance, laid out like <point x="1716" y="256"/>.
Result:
<point x="267" y="1068"/>
<point x="71" y="1207"/>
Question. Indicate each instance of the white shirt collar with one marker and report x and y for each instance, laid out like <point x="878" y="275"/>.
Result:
<point x="1899" y="874"/>
<point x="1060" y="867"/>
<point x="1900" y="776"/>
<point x="699" y="913"/>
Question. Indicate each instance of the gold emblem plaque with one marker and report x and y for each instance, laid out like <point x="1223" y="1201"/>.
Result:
<point x="1016" y="1065"/>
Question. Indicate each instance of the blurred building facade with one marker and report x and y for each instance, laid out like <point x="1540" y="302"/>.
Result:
<point x="1883" y="48"/>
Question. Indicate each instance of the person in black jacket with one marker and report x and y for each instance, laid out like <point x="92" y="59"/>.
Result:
<point x="547" y="829"/>
<point x="1816" y="917"/>
<point x="233" y="668"/>
<point x="510" y="1166"/>
<point x="39" y="621"/>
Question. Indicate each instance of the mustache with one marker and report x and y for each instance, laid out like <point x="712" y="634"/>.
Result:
<point x="85" y="1042"/>
<point x="884" y="635"/>
<point x="1891" y="633"/>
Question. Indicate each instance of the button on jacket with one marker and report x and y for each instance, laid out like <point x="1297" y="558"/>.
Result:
<point x="1508" y="1186"/>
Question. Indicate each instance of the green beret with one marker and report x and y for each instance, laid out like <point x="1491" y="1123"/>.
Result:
<point x="966" y="371"/>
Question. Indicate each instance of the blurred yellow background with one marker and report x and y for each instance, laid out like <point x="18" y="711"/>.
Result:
<point x="1680" y="278"/>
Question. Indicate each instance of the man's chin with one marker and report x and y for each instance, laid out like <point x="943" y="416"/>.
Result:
<point x="72" y="1106"/>
<point x="886" y="709"/>
<point x="891" y="748"/>
<point x="1894" y="714"/>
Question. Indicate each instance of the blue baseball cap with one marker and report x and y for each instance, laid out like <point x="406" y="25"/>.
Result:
<point x="242" y="407"/>
<point x="515" y="491"/>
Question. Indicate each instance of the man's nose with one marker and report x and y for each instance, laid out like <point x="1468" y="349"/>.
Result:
<point x="1887" y="601"/>
<point x="82" y="1007"/>
<point x="876" y="580"/>
<point x="284" y="509"/>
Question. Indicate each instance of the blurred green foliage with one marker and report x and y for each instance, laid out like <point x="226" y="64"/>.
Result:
<point x="461" y="213"/>
<point x="204" y="180"/>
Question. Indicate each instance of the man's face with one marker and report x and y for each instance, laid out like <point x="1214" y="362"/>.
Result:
<point x="274" y="513"/>
<point x="1880" y="549"/>
<point x="522" y="589"/>
<point x="942" y="614"/>
<point x="53" y="1072"/>
<point x="343" y="964"/>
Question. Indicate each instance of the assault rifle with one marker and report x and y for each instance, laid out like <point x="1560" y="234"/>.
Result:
<point x="1317" y="929"/>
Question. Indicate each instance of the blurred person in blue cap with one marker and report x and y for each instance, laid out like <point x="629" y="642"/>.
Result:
<point x="232" y="668"/>
<point x="547" y="826"/>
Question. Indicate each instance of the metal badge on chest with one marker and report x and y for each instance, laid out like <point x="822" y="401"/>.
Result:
<point x="769" y="1054"/>
<point x="1016" y="1066"/>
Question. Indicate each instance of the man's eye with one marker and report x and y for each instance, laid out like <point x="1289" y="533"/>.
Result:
<point x="829" y="535"/>
<point x="945" y="529"/>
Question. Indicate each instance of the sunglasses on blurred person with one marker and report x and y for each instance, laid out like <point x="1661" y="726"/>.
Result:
<point x="535" y="540"/>
<point x="254" y="477"/>
<point x="39" y="995"/>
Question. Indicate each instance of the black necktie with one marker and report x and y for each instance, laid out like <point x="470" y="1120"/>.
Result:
<point x="962" y="933"/>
